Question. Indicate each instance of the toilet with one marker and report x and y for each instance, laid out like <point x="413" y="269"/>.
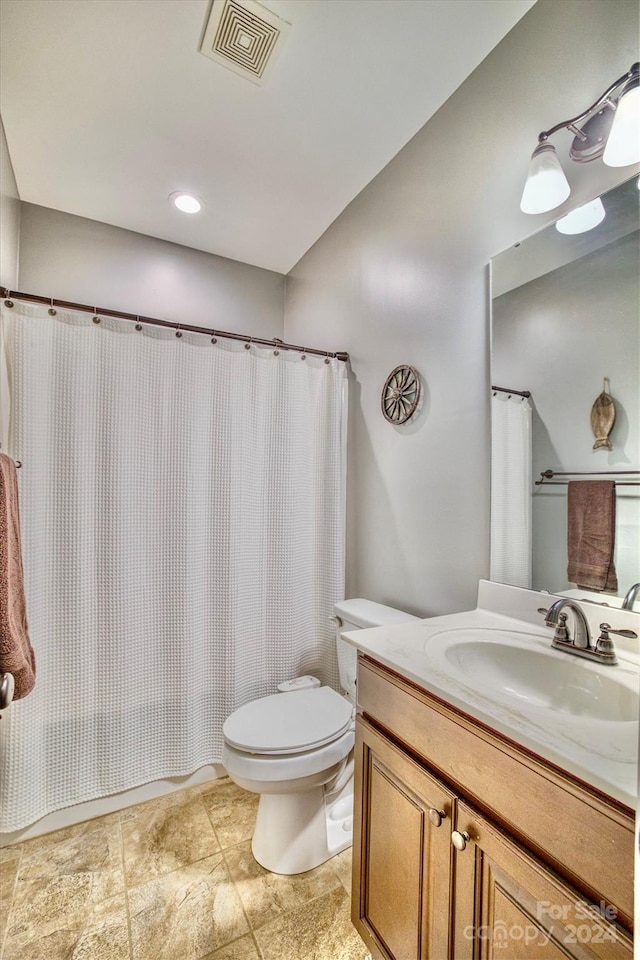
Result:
<point x="295" y="749"/>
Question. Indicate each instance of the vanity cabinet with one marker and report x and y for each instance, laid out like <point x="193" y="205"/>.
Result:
<point x="507" y="904"/>
<point x="536" y="850"/>
<point x="405" y="870"/>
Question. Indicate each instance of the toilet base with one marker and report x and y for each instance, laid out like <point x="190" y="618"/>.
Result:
<point x="296" y="832"/>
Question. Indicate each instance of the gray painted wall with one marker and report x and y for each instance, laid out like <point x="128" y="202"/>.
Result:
<point x="76" y="259"/>
<point x="9" y="218"/>
<point x="401" y="276"/>
<point x="558" y="336"/>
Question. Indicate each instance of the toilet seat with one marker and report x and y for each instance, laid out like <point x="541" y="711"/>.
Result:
<point x="289" y="723"/>
<point x="267" y="769"/>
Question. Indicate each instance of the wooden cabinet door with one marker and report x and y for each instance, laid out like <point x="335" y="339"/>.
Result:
<point x="508" y="906"/>
<point x="401" y="853"/>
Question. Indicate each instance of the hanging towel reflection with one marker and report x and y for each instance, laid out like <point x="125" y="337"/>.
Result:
<point x="591" y="528"/>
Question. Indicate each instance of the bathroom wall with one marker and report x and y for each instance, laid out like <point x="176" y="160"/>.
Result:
<point x="560" y="346"/>
<point x="76" y="259"/>
<point x="9" y="218"/>
<point x="401" y="277"/>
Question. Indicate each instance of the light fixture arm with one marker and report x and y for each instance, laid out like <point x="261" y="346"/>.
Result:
<point x="633" y="72"/>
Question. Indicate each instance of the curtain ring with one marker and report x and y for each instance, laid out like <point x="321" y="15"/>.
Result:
<point x="178" y="332"/>
<point x="326" y="359"/>
<point x="214" y="339"/>
<point x="138" y="326"/>
<point x="51" y="311"/>
<point x="247" y="346"/>
<point x="303" y="355"/>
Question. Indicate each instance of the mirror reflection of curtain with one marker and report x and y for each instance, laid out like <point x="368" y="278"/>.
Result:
<point x="511" y="490"/>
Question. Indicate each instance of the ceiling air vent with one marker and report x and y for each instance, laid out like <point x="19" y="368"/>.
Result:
<point x="244" y="36"/>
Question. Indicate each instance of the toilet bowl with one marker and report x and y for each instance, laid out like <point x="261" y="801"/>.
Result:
<point x="295" y="749"/>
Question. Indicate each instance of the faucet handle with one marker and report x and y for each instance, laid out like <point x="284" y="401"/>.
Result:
<point x="604" y="644"/>
<point x="606" y="629"/>
<point x="605" y="648"/>
<point x="562" y="632"/>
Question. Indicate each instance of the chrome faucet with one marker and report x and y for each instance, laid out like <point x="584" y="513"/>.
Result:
<point x="604" y="650"/>
<point x="630" y="597"/>
<point x="553" y="617"/>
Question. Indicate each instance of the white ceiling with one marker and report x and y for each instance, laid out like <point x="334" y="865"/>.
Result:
<point x="108" y="108"/>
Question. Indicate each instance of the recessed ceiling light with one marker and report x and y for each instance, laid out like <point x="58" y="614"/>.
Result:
<point x="185" y="202"/>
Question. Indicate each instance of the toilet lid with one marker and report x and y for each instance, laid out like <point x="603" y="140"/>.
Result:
<point x="289" y="722"/>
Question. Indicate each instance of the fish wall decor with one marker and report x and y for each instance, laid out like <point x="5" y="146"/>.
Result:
<point x="603" y="417"/>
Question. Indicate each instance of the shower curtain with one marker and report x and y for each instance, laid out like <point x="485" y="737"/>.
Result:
<point x="183" y="532"/>
<point x="511" y="530"/>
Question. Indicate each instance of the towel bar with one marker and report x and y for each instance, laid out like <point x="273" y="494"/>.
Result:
<point x="547" y="475"/>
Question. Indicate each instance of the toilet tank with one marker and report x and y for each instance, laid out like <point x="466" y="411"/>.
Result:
<point x="357" y="614"/>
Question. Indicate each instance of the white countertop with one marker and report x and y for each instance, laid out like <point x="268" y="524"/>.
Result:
<point x="602" y="753"/>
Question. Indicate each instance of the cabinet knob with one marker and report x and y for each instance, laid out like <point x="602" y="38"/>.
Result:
<point x="460" y="839"/>
<point x="437" y="816"/>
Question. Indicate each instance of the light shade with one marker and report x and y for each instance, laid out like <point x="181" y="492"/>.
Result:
<point x="583" y="218"/>
<point x="623" y="145"/>
<point x="546" y="186"/>
<point x="185" y="202"/>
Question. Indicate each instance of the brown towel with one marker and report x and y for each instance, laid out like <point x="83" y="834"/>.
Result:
<point x="591" y="533"/>
<point x="16" y="653"/>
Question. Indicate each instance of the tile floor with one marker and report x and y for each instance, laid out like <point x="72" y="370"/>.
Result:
<point x="171" y="879"/>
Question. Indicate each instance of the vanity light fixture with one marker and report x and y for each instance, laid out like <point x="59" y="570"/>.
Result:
<point x="622" y="147"/>
<point x="611" y="130"/>
<point x="185" y="202"/>
<point x="583" y="218"/>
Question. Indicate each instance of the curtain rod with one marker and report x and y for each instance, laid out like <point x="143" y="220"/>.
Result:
<point x="98" y="312"/>
<point x="547" y="475"/>
<point x="518" y="393"/>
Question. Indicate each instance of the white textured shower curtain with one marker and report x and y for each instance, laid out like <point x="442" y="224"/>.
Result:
<point x="511" y="490"/>
<point x="183" y="532"/>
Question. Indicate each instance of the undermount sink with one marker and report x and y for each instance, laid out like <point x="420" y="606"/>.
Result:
<point x="515" y="666"/>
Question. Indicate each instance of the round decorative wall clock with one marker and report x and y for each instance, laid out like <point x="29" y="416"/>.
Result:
<point x="400" y="394"/>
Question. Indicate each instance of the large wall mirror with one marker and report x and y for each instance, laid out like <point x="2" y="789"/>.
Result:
<point x="565" y="316"/>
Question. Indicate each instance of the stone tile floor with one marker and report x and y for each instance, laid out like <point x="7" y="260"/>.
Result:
<point x="170" y="879"/>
